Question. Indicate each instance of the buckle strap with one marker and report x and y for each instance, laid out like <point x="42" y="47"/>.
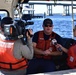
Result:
<point x="11" y="65"/>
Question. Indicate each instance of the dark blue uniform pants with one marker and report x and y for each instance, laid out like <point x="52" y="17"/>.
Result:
<point x="40" y="66"/>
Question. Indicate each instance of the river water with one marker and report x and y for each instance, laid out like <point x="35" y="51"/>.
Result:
<point x="62" y="25"/>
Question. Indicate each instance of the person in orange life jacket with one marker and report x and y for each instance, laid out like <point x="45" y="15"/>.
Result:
<point x="13" y="54"/>
<point x="70" y="51"/>
<point x="44" y="49"/>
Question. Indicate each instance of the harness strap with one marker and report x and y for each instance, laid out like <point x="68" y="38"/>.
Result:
<point x="13" y="64"/>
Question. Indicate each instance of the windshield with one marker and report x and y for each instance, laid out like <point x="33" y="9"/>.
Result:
<point x="3" y="13"/>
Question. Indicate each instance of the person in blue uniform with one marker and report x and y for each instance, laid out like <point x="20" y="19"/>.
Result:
<point x="45" y="49"/>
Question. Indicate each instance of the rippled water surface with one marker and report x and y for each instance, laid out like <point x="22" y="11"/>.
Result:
<point x="62" y="25"/>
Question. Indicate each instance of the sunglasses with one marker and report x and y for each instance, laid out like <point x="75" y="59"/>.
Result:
<point x="48" y="25"/>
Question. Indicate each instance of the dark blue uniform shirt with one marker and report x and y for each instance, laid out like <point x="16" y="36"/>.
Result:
<point x="46" y="37"/>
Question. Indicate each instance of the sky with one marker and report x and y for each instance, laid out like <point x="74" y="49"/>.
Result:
<point x="56" y="9"/>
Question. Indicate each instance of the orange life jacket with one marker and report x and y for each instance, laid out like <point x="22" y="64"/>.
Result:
<point x="71" y="60"/>
<point x="45" y="44"/>
<point x="7" y="60"/>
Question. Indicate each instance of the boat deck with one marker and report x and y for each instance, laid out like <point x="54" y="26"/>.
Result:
<point x="64" y="72"/>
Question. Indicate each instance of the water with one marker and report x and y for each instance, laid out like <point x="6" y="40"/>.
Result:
<point x="62" y="25"/>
